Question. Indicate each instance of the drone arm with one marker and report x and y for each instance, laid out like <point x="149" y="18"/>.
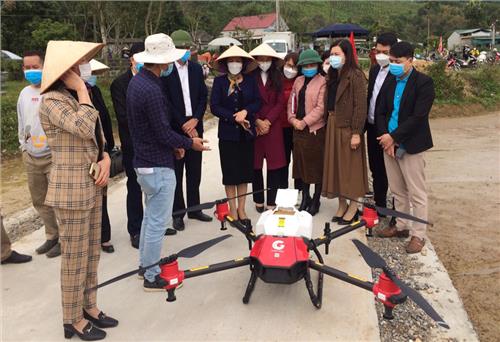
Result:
<point x="221" y="266"/>
<point x="332" y="272"/>
<point x="249" y="234"/>
<point x="327" y="238"/>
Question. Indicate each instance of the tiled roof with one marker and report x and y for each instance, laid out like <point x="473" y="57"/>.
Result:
<point x="251" y="22"/>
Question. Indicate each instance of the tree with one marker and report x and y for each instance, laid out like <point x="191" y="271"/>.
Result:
<point x="47" y="29"/>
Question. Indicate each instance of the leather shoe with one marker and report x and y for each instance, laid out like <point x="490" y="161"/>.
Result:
<point x="415" y="245"/>
<point x="200" y="216"/>
<point x="170" y="231"/>
<point x="343" y="221"/>
<point x="306" y="201"/>
<point x="46" y="246"/>
<point x="102" y="321"/>
<point x="392" y="231"/>
<point x="260" y="208"/>
<point x="54" y="251"/>
<point x="178" y="224"/>
<point x="89" y="332"/>
<point x="107" y="249"/>
<point x="134" y="241"/>
<point x="313" y="208"/>
<point x="16" y="258"/>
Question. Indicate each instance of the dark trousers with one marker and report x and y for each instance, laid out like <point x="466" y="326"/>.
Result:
<point x="134" y="196"/>
<point x="192" y="163"/>
<point x="285" y="171"/>
<point x="377" y="166"/>
<point x="273" y="181"/>
<point x="105" y="224"/>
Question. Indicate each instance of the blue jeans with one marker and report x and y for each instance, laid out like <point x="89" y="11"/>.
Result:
<point x="158" y="186"/>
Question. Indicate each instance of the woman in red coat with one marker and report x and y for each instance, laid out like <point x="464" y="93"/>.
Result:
<point x="290" y="71"/>
<point x="269" y="144"/>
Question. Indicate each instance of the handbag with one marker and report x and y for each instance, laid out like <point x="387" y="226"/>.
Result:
<point x="116" y="156"/>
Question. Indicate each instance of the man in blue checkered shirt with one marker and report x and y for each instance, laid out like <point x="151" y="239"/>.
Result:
<point x="155" y="145"/>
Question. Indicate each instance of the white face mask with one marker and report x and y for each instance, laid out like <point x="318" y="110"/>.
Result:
<point x="234" y="68"/>
<point x="264" y="66"/>
<point x="382" y="59"/>
<point x="290" y="72"/>
<point x="85" y="71"/>
<point x="326" y="67"/>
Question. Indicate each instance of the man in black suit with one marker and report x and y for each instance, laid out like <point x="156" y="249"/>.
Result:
<point x="186" y="94"/>
<point x="404" y="133"/>
<point x="377" y="78"/>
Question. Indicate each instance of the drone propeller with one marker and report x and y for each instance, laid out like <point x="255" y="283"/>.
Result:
<point x="209" y="205"/>
<point x="188" y="252"/>
<point x="389" y="212"/>
<point x="376" y="261"/>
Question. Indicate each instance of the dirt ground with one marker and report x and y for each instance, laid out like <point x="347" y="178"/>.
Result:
<point x="463" y="172"/>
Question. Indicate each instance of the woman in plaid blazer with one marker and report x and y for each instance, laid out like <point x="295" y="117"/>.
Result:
<point x="76" y="140"/>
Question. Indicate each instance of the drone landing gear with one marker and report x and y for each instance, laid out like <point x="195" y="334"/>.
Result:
<point x="250" y="287"/>
<point x="316" y="299"/>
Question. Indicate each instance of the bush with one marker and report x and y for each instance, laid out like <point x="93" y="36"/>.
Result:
<point x="14" y="68"/>
<point x="9" y="138"/>
<point x="449" y="87"/>
<point x="485" y="84"/>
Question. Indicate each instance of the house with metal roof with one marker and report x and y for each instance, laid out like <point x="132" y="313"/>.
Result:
<point x="253" y="27"/>
<point x="480" y="38"/>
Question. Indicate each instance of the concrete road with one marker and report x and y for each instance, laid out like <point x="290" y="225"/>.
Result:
<point x="207" y="307"/>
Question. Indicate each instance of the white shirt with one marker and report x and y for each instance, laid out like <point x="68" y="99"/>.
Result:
<point x="382" y="74"/>
<point x="263" y="76"/>
<point x="182" y="70"/>
<point x="32" y="138"/>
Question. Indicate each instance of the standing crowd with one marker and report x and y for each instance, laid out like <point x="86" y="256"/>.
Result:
<point x="271" y="111"/>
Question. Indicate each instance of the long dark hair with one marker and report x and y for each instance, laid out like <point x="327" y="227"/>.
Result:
<point x="349" y="63"/>
<point x="275" y="75"/>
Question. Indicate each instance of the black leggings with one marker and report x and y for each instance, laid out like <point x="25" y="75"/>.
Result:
<point x="274" y="178"/>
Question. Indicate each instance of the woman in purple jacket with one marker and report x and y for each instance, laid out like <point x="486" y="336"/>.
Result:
<point x="235" y="101"/>
<point x="269" y="144"/>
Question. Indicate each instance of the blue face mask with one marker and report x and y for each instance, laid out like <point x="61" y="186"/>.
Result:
<point x="168" y="71"/>
<point x="336" y="62"/>
<point x="396" y="69"/>
<point x="310" y="72"/>
<point x="33" y="76"/>
<point x="92" y="80"/>
<point x="138" y="66"/>
<point x="186" y="56"/>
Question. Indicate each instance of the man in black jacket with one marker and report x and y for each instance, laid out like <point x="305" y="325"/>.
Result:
<point x="377" y="78"/>
<point x="134" y="193"/>
<point x="404" y="133"/>
<point x="186" y="94"/>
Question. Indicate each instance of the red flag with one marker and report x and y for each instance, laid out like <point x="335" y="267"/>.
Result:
<point x="440" y="47"/>
<point x="351" y="39"/>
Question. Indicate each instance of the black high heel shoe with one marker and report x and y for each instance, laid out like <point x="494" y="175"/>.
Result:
<point x="313" y="208"/>
<point x="354" y="218"/>
<point x="338" y="218"/>
<point x="260" y="208"/>
<point x="89" y="332"/>
<point x="102" y="321"/>
<point x="108" y="248"/>
<point x="306" y="201"/>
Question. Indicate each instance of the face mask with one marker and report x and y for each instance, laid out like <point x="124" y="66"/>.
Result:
<point x="396" y="69"/>
<point x="234" y="68"/>
<point x="33" y="76"/>
<point x="167" y="71"/>
<point x="336" y="62"/>
<point x="186" y="56"/>
<point x="264" y="66"/>
<point x="138" y="66"/>
<point x="310" y="72"/>
<point x="326" y="67"/>
<point x="382" y="59"/>
<point x="92" y="80"/>
<point x="290" y="72"/>
<point x="85" y="71"/>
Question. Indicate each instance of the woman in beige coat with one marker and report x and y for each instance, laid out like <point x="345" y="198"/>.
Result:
<point x="345" y="171"/>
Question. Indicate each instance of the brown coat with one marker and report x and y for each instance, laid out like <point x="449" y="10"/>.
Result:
<point x="70" y="129"/>
<point x="350" y="102"/>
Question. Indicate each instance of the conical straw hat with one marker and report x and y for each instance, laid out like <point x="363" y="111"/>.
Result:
<point x="98" y="67"/>
<point x="234" y="51"/>
<point x="61" y="55"/>
<point x="265" y="50"/>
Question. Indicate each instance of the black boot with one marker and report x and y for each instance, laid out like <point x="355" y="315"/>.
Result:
<point x="315" y="203"/>
<point x="306" y="197"/>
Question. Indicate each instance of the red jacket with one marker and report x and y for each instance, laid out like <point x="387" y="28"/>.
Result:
<point x="287" y="90"/>
<point x="270" y="146"/>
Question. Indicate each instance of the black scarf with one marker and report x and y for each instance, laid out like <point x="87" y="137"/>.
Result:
<point x="301" y="108"/>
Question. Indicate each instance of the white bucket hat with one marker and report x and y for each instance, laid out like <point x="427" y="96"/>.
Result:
<point x="159" y="49"/>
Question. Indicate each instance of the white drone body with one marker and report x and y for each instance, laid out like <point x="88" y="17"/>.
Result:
<point x="285" y="219"/>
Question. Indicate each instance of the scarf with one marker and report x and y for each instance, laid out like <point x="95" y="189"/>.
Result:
<point x="234" y="82"/>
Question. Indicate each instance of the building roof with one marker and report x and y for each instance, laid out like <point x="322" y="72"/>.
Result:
<point x="251" y="22"/>
<point x="462" y="32"/>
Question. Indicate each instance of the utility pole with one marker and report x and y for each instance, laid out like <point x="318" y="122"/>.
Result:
<point x="277" y="16"/>
<point x="493" y="35"/>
